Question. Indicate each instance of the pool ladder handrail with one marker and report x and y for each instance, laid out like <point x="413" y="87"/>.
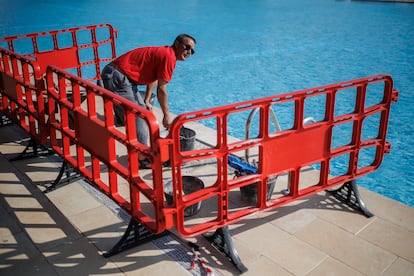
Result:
<point x="248" y="122"/>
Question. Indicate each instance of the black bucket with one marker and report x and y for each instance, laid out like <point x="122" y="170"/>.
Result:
<point x="191" y="184"/>
<point x="249" y="192"/>
<point x="187" y="139"/>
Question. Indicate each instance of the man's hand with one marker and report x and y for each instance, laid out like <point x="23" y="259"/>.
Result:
<point x="148" y="105"/>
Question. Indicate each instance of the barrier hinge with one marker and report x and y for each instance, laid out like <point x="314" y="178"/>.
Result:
<point x="394" y="95"/>
<point x="387" y="147"/>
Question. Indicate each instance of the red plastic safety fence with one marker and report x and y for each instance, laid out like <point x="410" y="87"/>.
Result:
<point x="79" y="50"/>
<point x="22" y="94"/>
<point x="22" y="88"/>
<point x="300" y="159"/>
<point x="84" y="134"/>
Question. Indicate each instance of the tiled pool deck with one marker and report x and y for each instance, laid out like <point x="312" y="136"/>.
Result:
<point x="65" y="232"/>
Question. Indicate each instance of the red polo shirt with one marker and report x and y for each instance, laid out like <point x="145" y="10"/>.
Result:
<point x="148" y="64"/>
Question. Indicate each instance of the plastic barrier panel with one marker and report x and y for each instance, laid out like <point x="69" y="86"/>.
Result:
<point x="79" y="50"/>
<point x="22" y="94"/>
<point x="85" y="136"/>
<point x="295" y="157"/>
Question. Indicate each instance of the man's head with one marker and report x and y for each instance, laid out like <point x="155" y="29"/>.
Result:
<point x="184" y="46"/>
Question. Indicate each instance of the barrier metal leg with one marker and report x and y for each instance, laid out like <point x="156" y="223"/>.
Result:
<point x="221" y="240"/>
<point x="135" y="235"/>
<point x="33" y="149"/>
<point x="348" y="193"/>
<point x="69" y="172"/>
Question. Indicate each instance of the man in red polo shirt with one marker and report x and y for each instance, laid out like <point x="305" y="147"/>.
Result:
<point x="151" y="66"/>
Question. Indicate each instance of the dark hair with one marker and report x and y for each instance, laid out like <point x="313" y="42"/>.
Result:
<point x="180" y="38"/>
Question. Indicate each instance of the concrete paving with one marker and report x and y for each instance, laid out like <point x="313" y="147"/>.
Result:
<point x="66" y="231"/>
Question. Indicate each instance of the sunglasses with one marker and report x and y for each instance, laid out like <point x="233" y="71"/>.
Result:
<point x="188" y="47"/>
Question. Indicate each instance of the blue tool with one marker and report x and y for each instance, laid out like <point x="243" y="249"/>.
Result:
<point x="243" y="167"/>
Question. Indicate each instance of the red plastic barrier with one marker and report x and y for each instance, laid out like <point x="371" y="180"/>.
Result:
<point x="22" y="94"/>
<point x="22" y="68"/>
<point x="79" y="50"/>
<point x="286" y="154"/>
<point x="104" y="154"/>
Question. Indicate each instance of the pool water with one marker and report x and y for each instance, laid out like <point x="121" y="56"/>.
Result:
<point x="251" y="49"/>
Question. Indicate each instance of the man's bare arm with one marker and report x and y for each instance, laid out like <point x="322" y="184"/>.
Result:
<point x="148" y="93"/>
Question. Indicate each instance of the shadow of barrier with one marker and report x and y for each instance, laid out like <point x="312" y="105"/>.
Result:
<point x="77" y="122"/>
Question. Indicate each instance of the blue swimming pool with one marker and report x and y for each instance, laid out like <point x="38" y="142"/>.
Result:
<point x="250" y="49"/>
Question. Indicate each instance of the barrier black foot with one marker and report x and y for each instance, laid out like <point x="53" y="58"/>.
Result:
<point x="135" y="235"/>
<point x="348" y="193"/>
<point x="69" y="172"/>
<point x="221" y="240"/>
<point x="33" y="149"/>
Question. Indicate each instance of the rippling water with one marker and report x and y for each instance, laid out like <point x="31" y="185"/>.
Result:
<point x="250" y="49"/>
